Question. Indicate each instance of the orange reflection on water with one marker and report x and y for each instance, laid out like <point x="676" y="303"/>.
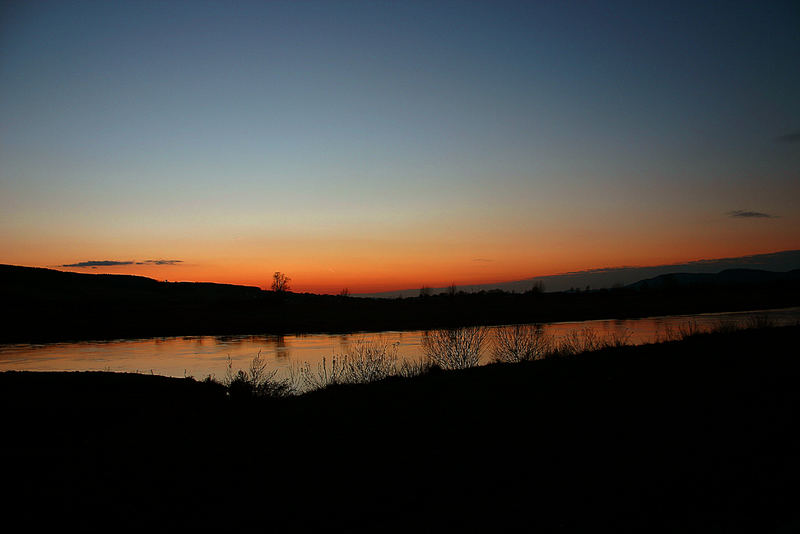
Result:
<point x="200" y="356"/>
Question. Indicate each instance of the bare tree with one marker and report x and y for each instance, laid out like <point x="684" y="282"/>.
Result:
<point x="452" y="290"/>
<point x="280" y="282"/>
<point x="537" y="288"/>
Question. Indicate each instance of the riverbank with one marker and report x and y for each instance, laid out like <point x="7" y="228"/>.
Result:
<point x="696" y="435"/>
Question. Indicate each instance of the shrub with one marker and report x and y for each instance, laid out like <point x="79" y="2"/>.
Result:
<point x="618" y="338"/>
<point x="759" y="321"/>
<point x="588" y="340"/>
<point x="412" y="368"/>
<point x="454" y="348"/>
<point x="368" y="361"/>
<point x="309" y="379"/>
<point x="257" y="381"/>
<point x="578" y="341"/>
<point x="519" y="343"/>
<point x="689" y="329"/>
<point x="364" y="361"/>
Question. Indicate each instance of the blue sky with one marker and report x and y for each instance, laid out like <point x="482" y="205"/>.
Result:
<point x="396" y="140"/>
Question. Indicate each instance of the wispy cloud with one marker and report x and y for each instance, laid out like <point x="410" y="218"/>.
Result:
<point x="94" y="264"/>
<point x="793" y="137"/>
<point x="746" y="214"/>
<point x="97" y="263"/>
<point x="482" y="260"/>
<point x="159" y="262"/>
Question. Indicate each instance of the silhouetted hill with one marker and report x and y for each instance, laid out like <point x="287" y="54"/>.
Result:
<point x="726" y="277"/>
<point x="33" y="282"/>
<point x="620" y="276"/>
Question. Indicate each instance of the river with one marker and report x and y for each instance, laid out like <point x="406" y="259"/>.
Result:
<point x="200" y="356"/>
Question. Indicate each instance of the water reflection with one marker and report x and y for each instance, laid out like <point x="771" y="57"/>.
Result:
<point x="277" y="345"/>
<point x="200" y="356"/>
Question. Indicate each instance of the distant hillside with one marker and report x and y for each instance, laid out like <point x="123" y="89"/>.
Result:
<point x="726" y="277"/>
<point x="621" y="276"/>
<point x="33" y="282"/>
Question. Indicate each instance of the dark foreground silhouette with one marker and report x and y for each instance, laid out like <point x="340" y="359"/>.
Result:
<point x="47" y="305"/>
<point x="692" y="436"/>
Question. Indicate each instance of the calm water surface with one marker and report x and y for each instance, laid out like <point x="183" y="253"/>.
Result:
<point x="200" y="356"/>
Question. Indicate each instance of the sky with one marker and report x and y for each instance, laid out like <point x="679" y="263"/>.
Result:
<point x="387" y="145"/>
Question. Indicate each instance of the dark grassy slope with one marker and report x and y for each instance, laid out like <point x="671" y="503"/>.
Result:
<point x="45" y="305"/>
<point x="699" y="435"/>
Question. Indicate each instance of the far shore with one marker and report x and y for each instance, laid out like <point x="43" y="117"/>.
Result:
<point x="323" y="314"/>
<point x="48" y="306"/>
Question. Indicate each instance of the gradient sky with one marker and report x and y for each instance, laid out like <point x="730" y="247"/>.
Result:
<point x="383" y="145"/>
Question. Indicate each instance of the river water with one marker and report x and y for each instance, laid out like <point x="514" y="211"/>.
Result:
<point x="200" y="356"/>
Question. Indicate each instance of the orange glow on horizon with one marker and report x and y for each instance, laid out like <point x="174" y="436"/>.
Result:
<point x="380" y="277"/>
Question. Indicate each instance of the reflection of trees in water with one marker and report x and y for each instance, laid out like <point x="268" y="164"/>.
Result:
<point x="281" y="348"/>
<point x="620" y="331"/>
<point x="278" y="345"/>
<point x="241" y="340"/>
<point x="231" y="340"/>
<point x="344" y="342"/>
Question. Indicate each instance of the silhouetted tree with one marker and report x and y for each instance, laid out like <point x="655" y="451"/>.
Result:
<point x="280" y="282"/>
<point x="452" y="290"/>
<point x="537" y="288"/>
<point x="344" y="292"/>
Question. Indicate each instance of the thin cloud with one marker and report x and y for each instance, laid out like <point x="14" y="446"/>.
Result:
<point x="482" y="260"/>
<point x="793" y="137"/>
<point x="97" y="263"/>
<point x="746" y="214"/>
<point x="94" y="264"/>
<point x="159" y="262"/>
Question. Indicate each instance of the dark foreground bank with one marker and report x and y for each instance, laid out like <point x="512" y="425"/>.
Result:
<point x="698" y="435"/>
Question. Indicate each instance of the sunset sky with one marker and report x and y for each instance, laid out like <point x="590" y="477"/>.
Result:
<point x="386" y="145"/>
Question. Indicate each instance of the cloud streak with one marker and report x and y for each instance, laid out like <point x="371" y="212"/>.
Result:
<point x="94" y="264"/>
<point x="159" y="262"/>
<point x="747" y="214"/>
<point x="97" y="263"/>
